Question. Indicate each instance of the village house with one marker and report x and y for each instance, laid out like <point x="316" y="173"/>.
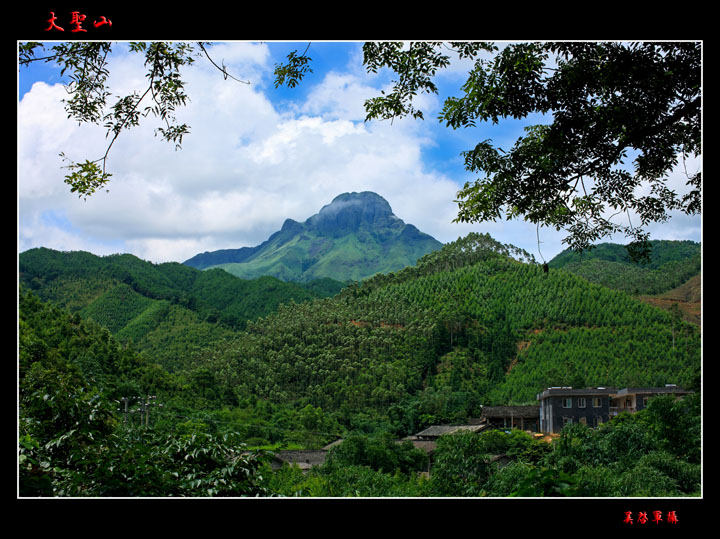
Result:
<point x="426" y="441"/>
<point x="560" y="406"/>
<point x="634" y="399"/>
<point x="511" y="417"/>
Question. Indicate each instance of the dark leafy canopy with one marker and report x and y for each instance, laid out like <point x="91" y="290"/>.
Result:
<point x="607" y="103"/>
<point x="415" y="67"/>
<point x="294" y="71"/>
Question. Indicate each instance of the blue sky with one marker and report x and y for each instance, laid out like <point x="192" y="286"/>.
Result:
<point x="255" y="156"/>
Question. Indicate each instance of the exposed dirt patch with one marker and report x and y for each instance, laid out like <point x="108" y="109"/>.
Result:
<point x="688" y="298"/>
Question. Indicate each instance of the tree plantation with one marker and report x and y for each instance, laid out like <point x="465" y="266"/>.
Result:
<point x="240" y="370"/>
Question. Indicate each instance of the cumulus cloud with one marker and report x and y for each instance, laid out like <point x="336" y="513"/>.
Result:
<point x="246" y="166"/>
<point x="241" y="172"/>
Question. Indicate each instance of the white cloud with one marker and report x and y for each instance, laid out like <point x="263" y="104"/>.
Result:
<point x="242" y="171"/>
<point x="244" y="168"/>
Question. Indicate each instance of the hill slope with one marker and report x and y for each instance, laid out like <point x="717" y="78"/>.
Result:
<point x="671" y="264"/>
<point x="165" y="309"/>
<point x="468" y="325"/>
<point x="687" y="297"/>
<point x="350" y="239"/>
<point x="474" y="323"/>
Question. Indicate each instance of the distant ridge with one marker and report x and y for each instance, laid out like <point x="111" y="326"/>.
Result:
<point x="352" y="238"/>
<point x="671" y="264"/>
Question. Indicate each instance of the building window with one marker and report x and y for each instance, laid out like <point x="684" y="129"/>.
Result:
<point x="567" y="402"/>
<point x="581" y="402"/>
<point x="597" y="402"/>
<point x="598" y="421"/>
<point x="645" y="401"/>
<point x="567" y="421"/>
<point x="583" y="420"/>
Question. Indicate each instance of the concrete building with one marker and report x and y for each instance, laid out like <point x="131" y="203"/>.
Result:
<point x="560" y="406"/>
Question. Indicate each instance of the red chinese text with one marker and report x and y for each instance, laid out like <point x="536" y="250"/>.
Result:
<point x="76" y="21"/>
<point x="657" y="517"/>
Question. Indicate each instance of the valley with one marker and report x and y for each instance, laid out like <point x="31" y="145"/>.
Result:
<point x="279" y="365"/>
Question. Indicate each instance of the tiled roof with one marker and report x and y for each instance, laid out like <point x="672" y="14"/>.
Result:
<point x="440" y="430"/>
<point x="311" y="457"/>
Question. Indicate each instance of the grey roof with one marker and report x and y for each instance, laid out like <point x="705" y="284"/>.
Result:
<point x="610" y="391"/>
<point x="440" y="430"/>
<point x="428" y="446"/>
<point x="653" y="390"/>
<point x="569" y="391"/>
<point x="302" y="457"/>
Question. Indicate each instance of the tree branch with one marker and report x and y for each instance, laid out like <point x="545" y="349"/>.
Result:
<point x="223" y="69"/>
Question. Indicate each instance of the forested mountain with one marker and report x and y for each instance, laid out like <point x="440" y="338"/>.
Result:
<point x="165" y="309"/>
<point x="475" y="323"/>
<point x="477" y="320"/>
<point x="350" y="239"/>
<point x="669" y="279"/>
<point x="468" y="325"/>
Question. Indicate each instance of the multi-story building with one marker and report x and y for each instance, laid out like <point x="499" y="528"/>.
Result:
<point x="560" y="406"/>
<point x="634" y="399"/>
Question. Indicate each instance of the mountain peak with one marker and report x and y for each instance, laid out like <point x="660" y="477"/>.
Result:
<point x="352" y="238"/>
<point x="365" y="200"/>
<point x="365" y="197"/>
<point x="350" y="211"/>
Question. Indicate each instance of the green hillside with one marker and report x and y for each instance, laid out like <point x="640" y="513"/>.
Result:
<point x="475" y="323"/>
<point x="671" y="264"/>
<point x="467" y="326"/>
<point x="167" y="310"/>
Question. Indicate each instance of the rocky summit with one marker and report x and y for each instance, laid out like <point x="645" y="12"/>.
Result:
<point x="352" y="238"/>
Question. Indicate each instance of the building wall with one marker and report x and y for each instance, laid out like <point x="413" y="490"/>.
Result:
<point x="523" y="423"/>
<point x="557" y="413"/>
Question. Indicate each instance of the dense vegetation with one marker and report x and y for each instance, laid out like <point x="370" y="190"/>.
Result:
<point x="632" y="455"/>
<point x="670" y="264"/>
<point x="467" y="326"/>
<point x="166" y="310"/>
<point x="476" y="323"/>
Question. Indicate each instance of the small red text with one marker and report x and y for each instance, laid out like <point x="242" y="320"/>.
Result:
<point x="655" y="517"/>
<point x="75" y="22"/>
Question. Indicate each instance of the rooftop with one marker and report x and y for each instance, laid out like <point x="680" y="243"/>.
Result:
<point x="611" y="391"/>
<point x="552" y="391"/>
<point x="669" y="388"/>
<point x="440" y="430"/>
